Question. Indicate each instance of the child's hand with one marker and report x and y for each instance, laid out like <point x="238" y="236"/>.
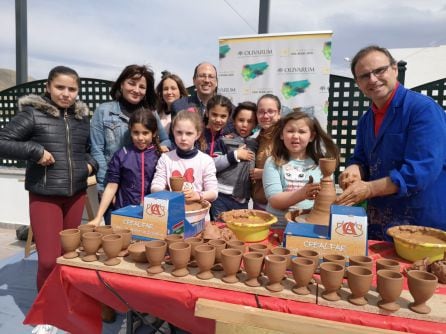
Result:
<point x="244" y="154"/>
<point x="164" y="149"/>
<point x="95" y="222"/>
<point x="256" y="174"/>
<point x="190" y="195"/>
<point x="311" y="190"/>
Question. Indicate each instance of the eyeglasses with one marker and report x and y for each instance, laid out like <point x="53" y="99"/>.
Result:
<point x="269" y="112"/>
<point x="377" y="72"/>
<point x="206" y="76"/>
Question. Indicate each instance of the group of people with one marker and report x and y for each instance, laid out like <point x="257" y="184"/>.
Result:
<point x="149" y="133"/>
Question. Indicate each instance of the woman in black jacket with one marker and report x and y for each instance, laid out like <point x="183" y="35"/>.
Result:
<point x="52" y="133"/>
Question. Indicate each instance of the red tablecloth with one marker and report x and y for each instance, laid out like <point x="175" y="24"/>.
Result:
<point x="70" y="300"/>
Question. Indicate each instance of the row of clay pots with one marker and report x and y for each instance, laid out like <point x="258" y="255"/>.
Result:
<point x="113" y="243"/>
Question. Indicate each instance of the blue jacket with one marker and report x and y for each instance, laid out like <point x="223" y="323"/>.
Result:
<point x="109" y="132"/>
<point x="410" y="147"/>
<point x="125" y="169"/>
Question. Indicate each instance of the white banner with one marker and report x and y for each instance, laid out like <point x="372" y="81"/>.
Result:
<point x="293" y="66"/>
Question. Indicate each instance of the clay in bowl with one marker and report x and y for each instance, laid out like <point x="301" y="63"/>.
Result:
<point x="137" y="252"/>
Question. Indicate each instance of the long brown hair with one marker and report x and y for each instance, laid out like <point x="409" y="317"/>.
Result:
<point x="162" y="105"/>
<point x="321" y="147"/>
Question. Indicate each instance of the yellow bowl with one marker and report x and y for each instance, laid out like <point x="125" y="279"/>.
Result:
<point x="249" y="225"/>
<point x="418" y="242"/>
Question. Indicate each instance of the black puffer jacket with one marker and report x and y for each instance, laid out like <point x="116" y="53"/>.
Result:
<point x="64" y="133"/>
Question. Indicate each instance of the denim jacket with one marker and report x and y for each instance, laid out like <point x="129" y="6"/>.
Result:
<point x="109" y="132"/>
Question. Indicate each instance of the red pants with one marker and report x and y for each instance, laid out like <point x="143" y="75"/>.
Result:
<point x="48" y="216"/>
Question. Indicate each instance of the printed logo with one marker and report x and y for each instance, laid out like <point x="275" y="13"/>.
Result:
<point x="258" y="52"/>
<point x="156" y="209"/>
<point x="351" y="229"/>
<point x="223" y="50"/>
<point x="252" y="71"/>
<point x="293" y="88"/>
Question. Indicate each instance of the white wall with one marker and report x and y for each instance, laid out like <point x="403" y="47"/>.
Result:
<point x="14" y="208"/>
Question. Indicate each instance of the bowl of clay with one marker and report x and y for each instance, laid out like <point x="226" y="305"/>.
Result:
<point x="137" y="252"/>
<point x="418" y="242"/>
<point x="249" y="225"/>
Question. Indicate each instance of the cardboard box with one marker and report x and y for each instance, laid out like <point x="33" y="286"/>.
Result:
<point x="346" y="233"/>
<point x="162" y="214"/>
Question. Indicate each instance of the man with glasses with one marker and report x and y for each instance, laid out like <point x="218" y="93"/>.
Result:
<point x="205" y="82"/>
<point x="399" y="161"/>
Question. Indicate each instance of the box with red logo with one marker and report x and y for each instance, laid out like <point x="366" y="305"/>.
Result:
<point x="162" y="214"/>
<point x="346" y="233"/>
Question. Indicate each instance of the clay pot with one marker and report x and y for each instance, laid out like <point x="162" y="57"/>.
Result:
<point x="219" y="245"/>
<point x="310" y="254"/>
<point x="180" y="253"/>
<point x="275" y="267"/>
<point x="359" y="282"/>
<point x="104" y="229"/>
<point x="91" y="241"/>
<point x="70" y="240"/>
<point x="236" y="244"/>
<point x="336" y="258"/>
<point x="155" y="251"/>
<point x="112" y="245"/>
<point x="260" y="248"/>
<point x="421" y="286"/>
<point x="205" y="256"/>
<point x="170" y="239"/>
<point x="331" y="277"/>
<point x="362" y="261"/>
<point x="126" y="235"/>
<point x="194" y="242"/>
<point x="83" y="228"/>
<point x="176" y="183"/>
<point x="285" y="252"/>
<point x="387" y="264"/>
<point x="253" y="264"/>
<point x="231" y="259"/>
<point x="137" y="252"/>
<point x="389" y="286"/>
<point x="303" y="270"/>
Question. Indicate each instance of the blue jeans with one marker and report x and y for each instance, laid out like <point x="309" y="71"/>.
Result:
<point x="225" y="203"/>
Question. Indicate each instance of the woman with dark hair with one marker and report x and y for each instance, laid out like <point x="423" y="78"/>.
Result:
<point x="169" y="89"/>
<point x="134" y="88"/>
<point x="51" y="133"/>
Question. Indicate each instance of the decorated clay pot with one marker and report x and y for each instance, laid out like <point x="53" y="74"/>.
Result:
<point x="359" y="282"/>
<point x="205" y="257"/>
<point x="387" y="264"/>
<point x="176" y="183"/>
<point x="155" y="253"/>
<point x="310" y="254"/>
<point x="421" y="286"/>
<point x="219" y="245"/>
<point x="231" y="259"/>
<point x="253" y="264"/>
<point x="70" y="240"/>
<point x="331" y="277"/>
<point x="126" y="235"/>
<point x="91" y="241"/>
<point x="275" y="267"/>
<point x="362" y="261"/>
<point x="237" y="244"/>
<point x="303" y="269"/>
<point x="180" y="256"/>
<point x="284" y="252"/>
<point x="389" y="286"/>
<point x="112" y="245"/>
<point x="260" y="248"/>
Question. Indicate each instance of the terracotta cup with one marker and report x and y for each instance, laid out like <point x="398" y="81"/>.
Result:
<point x="336" y="258"/>
<point x="83" y="228"/>
<point x="303" y="270"/>
<point x="331" y="277"/>
<point x="388" y="264"/>
<point x="421" y="286"/>
<point x="194" y="242"/>
<point x="231" y="259"/>
<point x="310" y="254"/>
<point x="361" y="260"/>
<point x="253" y="264"/>
<point x="237" y="244"/>
<point x="205" y="257"/>
<point x="70" y="240"/>
<point x="284" y="252"/>
<point x="359" y="282"/>
<point x="112" y="245"/>
<point x="170" y="239"/>
<point x="155" y="253"/>
<point x="126" y="235"/>
<point x="180" y="256"/>
<point x="275" y="268"/>
<point x="389" y="286"/>
<point x="261" y="248"/>
<point x="176" y="183"/>
<point x="219" y="245"/>
<point x="91" y="241"/>
<point x="104" y="229"/>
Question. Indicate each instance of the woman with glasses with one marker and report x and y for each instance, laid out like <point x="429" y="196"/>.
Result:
<point x="268" y="114"/>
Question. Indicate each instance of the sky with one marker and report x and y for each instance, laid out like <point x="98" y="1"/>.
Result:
<point x="99" y="38"/>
